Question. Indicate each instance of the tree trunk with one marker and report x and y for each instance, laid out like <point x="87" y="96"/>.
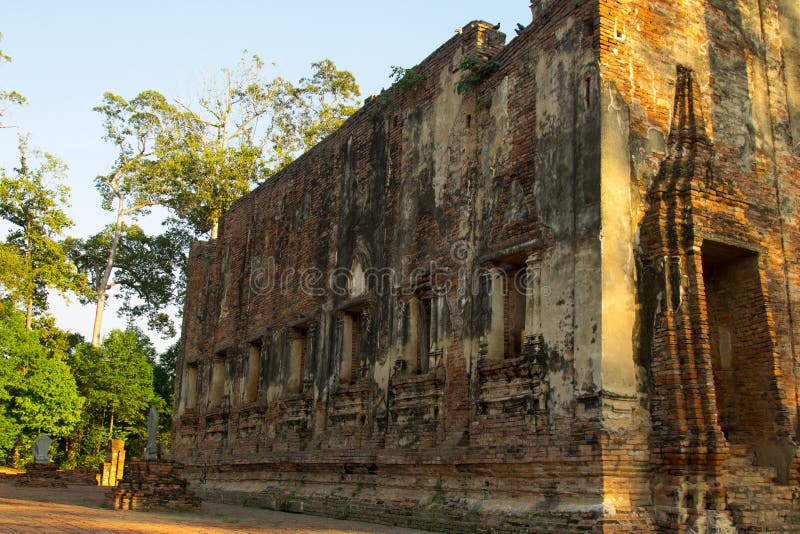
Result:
<point x="98" y="318"/>
<point x="29" y="313"/>
<point x="72" y="453"/>
<point x="102" y="284"/>
<point x="30" y="287"/>
<point x="15" y="455"/>
<point x="214" y="229"/>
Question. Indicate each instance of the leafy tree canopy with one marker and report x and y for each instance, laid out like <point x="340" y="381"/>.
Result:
<point x="164" y="374"/>
<point x="8" y="97"/>
<point x="135" y="184"/>
<point x="120" y="379"/>
<point x="37" y="390"/>
<point x="146" y="269"/>
<point x="60" y="343"/>
<point x="117" y="381"/>
<point x="31" y="200"/>
<point x="243" y="128"/>
<point x="196" y="158"/>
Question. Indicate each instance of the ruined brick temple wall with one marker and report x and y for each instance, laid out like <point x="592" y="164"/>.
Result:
<point x="700" y="134"/>
<point x="428" y="391"/>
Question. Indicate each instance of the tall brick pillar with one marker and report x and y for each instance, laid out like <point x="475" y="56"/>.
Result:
<point x="114" y="465"/>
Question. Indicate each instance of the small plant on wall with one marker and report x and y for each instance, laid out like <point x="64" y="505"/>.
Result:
<point x="405" y="80"/>
<point x="476" y="69"/>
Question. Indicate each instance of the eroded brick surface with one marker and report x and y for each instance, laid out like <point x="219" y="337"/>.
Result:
<point x="565" y="299"/>
<point x="151" y="485"/>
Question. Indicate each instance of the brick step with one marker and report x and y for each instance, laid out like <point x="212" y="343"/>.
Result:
<point x="756" y="501"/>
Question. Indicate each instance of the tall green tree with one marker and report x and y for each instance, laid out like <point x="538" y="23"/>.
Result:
<point x="59" y="343"/>
<point x="135" y="183"/>
<point x="8" y="97"/>
<point x="37" y="390"/>
<point x="244" y="127"/>
<point x="116" y="379"/>
<point x="164" y="384"/>
<point x="11" y="285"/>
<point x="164" y="373"/>
<point x="147" y="270"/>
<point x="326" y="99"/>
<point x="32" y="201"/>
<point x="196" y="158"/>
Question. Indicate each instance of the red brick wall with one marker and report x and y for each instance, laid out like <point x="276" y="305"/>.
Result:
<point x="436" y="186"/>
<point x="720" y="171"/>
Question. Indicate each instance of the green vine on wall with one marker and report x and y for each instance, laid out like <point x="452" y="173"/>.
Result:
<point x="477" y="69"/>
<point x="405" y="80"/>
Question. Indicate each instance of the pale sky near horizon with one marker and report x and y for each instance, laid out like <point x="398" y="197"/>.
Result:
<point x="67" y="54"/>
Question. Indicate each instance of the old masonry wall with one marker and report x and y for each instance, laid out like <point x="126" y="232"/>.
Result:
<point x="510" y="307"/>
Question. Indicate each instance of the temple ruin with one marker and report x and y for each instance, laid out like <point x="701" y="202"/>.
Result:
<point x="545" y="285"/>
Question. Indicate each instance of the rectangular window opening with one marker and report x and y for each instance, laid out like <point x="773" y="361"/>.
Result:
<point x="253" y="371"/>
<point x="350" y="326"/>
<point x="299" y="343"/>
<point x="741" y="343"/>
<point x="190" y="386"/>
<point x="351" y="351"/>
<point x="424" y="322"/>
<point x="217" y="389"/>
<point x="514" y="305"/>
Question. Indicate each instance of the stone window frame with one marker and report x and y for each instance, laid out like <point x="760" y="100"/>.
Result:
<point x="251" y="383"/>
<point x="515" y="310"/>
<point x="422" y="352"/>
<point x="348" y="314"/>
<point x="718" y="254"/>
<point x="496" y="342"/>
<point x="215" y="395"/>
<point x="300" y="340"/>
<point x="425" y="324"/>
<point x="189" y="386"/>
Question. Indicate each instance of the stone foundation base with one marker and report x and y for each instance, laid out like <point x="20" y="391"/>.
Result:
<point x="50" y="476"/>
<point x="41" y="475"/>
<point x="81" y="477"/>
<point x="153" y="486"/>
<point x="449" y="516"/>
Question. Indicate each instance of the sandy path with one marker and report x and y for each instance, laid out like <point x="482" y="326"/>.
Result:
<point x="79" y="509"/>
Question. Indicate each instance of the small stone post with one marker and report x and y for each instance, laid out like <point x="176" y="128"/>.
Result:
<point x="151" y="451"/>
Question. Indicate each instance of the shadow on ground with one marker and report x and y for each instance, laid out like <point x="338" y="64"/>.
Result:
<point x="80" y="509"/>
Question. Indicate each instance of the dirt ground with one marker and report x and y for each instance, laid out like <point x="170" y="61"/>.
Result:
<point x="79" y="509"/>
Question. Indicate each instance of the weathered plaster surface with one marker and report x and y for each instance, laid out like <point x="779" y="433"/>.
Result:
<point x="623" y="157"/>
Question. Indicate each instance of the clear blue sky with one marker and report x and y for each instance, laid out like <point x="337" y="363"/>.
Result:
<point x="67" y="54"/>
